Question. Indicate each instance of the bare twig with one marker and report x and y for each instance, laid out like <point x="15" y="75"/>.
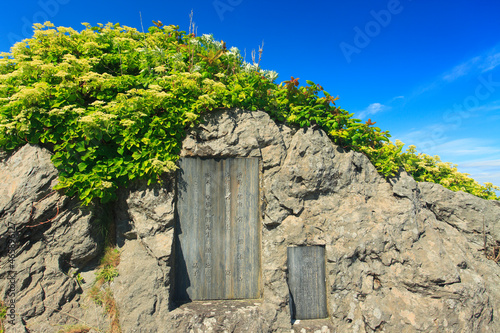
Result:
<point x="140" y="16"/>
<point x="261" y="49"/>
<point x="191" y="23"/>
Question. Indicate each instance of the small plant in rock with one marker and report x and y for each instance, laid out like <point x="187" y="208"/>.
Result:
<point x="75" y="329"/>
<point x="3" y="315"/>
<point x="107" y="273"/>
<point x="111" y="257"/>
<point x="101" y="293"/>
<point x="112" y="310"/>
<point x="79" y="279"/>
<point x="107" y="270"/>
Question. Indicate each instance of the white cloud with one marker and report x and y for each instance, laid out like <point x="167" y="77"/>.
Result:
<point x="491" y="62"/>
<point x="432" y="141"/>
<point x="482" y="170"/>
<point x="426" y="139"/>
<point x="484" y="62"/>
<point x="493" y="106"/>
<point x="436" y="136"/>
<point x="461" y="70"/>
<point x="466" y="147"/>
<point x="484" y="164"/>
<point x="396" y="98"/>
<point x="373" y="108"/>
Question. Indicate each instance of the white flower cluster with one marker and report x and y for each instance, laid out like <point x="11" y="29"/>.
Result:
<point x="164" y="166"/>
<point x="208" y="40"/>
<point x="271" y="75"/>
<point x="234" y="51"/>
<point x="105" y="185"/>
<point x="194" y="42"/>
<point x="177" y="57"/>
<point x="97" y="120"/>
<point x="249" y="68"/>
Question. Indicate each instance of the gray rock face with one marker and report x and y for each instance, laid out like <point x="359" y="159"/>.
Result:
<point x="401" y="256"/>
<point x="145" y="219"/>
<point x="396" y="261"/>
<point x="55" y="235"/>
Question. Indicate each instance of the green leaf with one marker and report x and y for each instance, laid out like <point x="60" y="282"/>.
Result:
<point x="82" y="166"/>
<point x="57" y="104"/>
<point x="136" y="155"/>
<point x="80" y="147"/>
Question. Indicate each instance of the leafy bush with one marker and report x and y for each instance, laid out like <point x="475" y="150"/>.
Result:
<point x="425" y="168"/>
<point x="114" y="104"/>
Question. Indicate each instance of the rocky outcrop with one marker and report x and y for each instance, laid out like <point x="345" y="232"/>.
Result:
<point x="145" y="220"/>
<point x="393" y="262"/>
<point x="55" y="237"/>
<point x="401" y="256"/>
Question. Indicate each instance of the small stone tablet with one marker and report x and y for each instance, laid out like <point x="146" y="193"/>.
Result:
<point x="306" y="282"/>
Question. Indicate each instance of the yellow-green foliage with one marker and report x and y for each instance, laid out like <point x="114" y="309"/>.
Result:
<point x="113" y="104"/>
<point x="75" y="329"/>
<point x="425" y="168"/>
<point x="3" y="315"/>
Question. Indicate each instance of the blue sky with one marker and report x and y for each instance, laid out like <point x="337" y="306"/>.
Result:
<point x="427" y="71"/>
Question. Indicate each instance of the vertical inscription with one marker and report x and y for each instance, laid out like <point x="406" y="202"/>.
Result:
<point x="217" y="230"/>
<point x="227" y="190"/>
<point x="239" y="221"/>
<point x="196" y="220"/>
<point x="306" y="282"/>
<point x="208" y="228"/>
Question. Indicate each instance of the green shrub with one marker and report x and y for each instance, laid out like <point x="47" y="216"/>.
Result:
<point x="114" y="104"/>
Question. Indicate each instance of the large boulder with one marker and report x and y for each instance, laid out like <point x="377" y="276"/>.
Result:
<point x="401" y="256"/>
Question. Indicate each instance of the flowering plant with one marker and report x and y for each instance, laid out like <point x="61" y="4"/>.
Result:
<point x="113" y="104"/>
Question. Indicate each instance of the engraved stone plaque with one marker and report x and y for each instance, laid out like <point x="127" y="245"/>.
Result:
<point x="306" y="282"/>
<point x="217" y="229"/>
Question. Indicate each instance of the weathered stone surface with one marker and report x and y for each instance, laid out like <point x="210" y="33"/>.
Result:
<point x="464" y="212"/>
<point x="393" y="262"/>
<point x="401" y="256"/>
<point x="144" y="221"/>
<point x="55" y="236"/>
<point x="224" y="316"/>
